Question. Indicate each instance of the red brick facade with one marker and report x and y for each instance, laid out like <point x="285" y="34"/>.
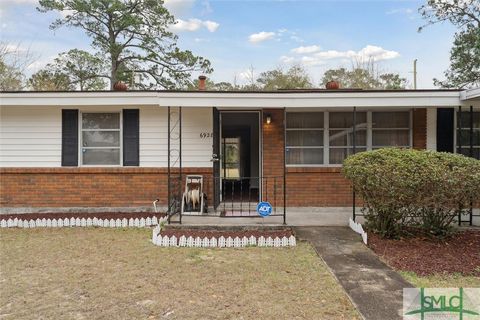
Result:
<point x="420" y="128"/>
<point x="134" y="187"/>
<point x="85" y="187"/>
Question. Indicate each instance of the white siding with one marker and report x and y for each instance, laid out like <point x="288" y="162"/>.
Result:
<point x="30" y="137"/>
<point x="196" y="151"/>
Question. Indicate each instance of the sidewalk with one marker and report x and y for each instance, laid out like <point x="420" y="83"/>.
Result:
<point x="374" y="288"/>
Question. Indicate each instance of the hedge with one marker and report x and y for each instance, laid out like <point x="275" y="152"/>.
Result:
<point x="405" y="188"/>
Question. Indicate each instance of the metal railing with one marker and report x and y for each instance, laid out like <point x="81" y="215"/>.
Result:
<point x="239" y="197"/>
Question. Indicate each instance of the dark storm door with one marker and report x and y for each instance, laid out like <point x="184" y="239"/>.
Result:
<point x="216" y="158"/>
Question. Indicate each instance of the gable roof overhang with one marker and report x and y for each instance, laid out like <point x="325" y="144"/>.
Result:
<point x="279" y="99"/>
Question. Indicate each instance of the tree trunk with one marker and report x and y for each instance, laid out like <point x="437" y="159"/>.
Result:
<point x="113" y="74"/>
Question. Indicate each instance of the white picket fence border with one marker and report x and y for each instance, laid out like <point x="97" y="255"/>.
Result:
<point x="221" y="242"/>
<point x="357" y="227"/>
<point x="82" y="222"/>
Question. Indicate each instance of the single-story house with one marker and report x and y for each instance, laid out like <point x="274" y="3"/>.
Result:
<point x="98" y="150"/>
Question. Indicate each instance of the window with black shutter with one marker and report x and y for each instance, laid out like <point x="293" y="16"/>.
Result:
<point x="70" y="138"/>
<point x="131" y="137"/>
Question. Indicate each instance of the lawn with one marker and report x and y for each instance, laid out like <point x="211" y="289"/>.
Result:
<point x="94" y="273"/>
<point x="454" y="280"/>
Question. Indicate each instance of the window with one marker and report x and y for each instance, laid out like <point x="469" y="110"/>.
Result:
<point x="231" y="165"/>
<point x="100" y="139"/>
<point x="305" y="138"/>
<point x="464" y="133"/>
<point x="318" y="138"/>
<point x="340" y="135"/>
<point x="390" y="129"/>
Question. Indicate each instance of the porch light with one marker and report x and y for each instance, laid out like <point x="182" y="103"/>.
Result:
<point x="268" y="119"/>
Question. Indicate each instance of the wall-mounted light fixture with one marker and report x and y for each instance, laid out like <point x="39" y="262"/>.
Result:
<point x="268" y="119"/>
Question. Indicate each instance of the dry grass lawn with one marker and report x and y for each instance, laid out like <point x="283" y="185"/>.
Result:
<point x="93" y="273"/>
<point x="441" y="280"/>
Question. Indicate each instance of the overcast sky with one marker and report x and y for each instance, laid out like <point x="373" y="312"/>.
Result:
<point x="236" y="35"/>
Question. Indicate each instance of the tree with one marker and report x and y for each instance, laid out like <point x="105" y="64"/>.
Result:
<point x="211" y="85"/>
<point x="392" y="81"/>
<point x="13" y="63"/>
<point x="132" y="37"/>
<point x="364" y="74"/>
<point x="46" y="80"/>
<point x="75" y="69"/>
<point x="11" y="78"/>
<point x="294" y="78"/>
<point x="464" y="68"/>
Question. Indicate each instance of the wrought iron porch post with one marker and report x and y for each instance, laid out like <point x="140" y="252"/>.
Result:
<point x="168" y="166"/>
<point x="471" y="155"/>
<point x="354" y="151"/>
<point x="180" y="161"/>
<point x="284" y="165"/>
<point x="459" y="139"/>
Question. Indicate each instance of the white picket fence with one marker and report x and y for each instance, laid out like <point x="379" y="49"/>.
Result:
<point x="82" y="222"/>
<point x="220" y="242"/>
<point x="357" y="227"/>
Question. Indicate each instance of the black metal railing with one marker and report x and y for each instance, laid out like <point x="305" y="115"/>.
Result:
<point x="239" y="197"/>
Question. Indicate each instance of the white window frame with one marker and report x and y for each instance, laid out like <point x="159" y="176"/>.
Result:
<point x="369" y="133"/>
<point x="325" y="123"/>
<point x="327" y="135"/>
<point x="455" y="130"/>
<point x="80" y="139"/>
<point x="410" y="129"/>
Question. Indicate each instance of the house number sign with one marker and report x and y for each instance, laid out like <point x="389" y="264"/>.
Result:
<point x="205" y="135"/>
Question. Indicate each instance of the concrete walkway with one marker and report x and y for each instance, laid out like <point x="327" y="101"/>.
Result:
<point x="374" y="288"/>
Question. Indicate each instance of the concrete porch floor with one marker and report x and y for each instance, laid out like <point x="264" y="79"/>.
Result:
<point x="335" y="216"/>
<point x="296" y="217"/>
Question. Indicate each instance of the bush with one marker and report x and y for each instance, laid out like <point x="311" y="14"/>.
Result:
<point x="405" y="188"/>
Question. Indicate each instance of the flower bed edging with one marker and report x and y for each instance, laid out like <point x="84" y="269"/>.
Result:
<point x="357" y="227"/>
<point x="82" y="222"/>
<point x="219" y="242"/>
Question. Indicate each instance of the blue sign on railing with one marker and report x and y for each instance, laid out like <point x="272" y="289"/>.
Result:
<point x="264" y="208"/>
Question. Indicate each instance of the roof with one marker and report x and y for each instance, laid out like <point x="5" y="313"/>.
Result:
<point x="279" y="91"/>
<point x="307" y="98"/>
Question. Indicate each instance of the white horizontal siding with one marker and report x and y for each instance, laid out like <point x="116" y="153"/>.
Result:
<point x="196" y="152"/>
<point x="30" y="137"/>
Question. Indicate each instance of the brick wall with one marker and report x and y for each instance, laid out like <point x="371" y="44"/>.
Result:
<point x="273" y="156"/>
<point x="86" y="187"/>
<point x="420" y="128"/>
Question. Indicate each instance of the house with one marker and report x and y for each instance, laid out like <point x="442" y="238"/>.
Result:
<point x="123" y="150"/>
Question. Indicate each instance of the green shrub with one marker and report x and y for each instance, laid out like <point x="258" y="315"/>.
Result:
<point x="405" y="188"/>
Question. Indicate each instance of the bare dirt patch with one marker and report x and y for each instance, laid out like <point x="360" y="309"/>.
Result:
<point x="96" y="273"/>
<point x="459" y="254"/>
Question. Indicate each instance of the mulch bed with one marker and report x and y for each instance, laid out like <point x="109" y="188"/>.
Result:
<point x="458" y="254"/>
<point x="86" y="215"/>
<point x="227" y="233"/>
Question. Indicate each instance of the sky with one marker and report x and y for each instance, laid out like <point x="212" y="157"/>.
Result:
<point x="239" y="36"/>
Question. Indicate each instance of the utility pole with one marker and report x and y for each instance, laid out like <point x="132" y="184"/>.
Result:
<point x="415" y="74"/>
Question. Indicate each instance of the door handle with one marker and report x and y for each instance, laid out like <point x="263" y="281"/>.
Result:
<point x="215" y="158"/>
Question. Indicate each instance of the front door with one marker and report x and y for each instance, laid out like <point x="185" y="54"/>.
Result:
<point x="239" y="158"/>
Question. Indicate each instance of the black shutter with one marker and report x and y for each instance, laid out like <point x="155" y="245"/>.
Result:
<point x="445" y="129"/>
<point x="131" y="137"/>
<point x="69" y="138"/>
